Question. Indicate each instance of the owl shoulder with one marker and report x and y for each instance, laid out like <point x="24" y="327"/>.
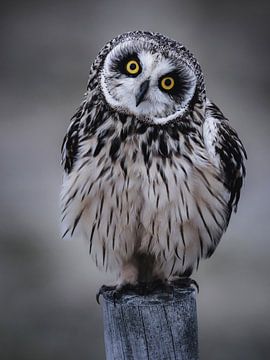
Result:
<point x="225" y="150"/>
<point x="70" y="144"/>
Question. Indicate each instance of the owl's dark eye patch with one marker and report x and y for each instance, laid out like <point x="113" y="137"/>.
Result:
<point x="171" y="83"/>
<point x="127" y="64"/>
<point x="176" y="83"/>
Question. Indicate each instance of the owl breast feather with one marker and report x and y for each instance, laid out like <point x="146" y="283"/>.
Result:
<point x="136" y="188"/>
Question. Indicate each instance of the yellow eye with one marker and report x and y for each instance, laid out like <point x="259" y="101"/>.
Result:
<point x="132" y="67"/>
<point x="167" y="83"/>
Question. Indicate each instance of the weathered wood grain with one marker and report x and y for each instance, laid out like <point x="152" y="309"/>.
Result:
<point x="160" y="326"/>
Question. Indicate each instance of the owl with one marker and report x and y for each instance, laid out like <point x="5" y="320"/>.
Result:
<point x="152" y="167"/>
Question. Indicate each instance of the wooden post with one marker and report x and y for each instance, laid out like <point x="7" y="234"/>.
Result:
<point x="160" y="326"/>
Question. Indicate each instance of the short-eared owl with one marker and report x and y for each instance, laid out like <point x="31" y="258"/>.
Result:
<point x="152" y="167"/>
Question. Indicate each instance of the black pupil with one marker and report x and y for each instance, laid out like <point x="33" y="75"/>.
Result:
<point x="168" y="82"/>
<point x="132" y="66"/>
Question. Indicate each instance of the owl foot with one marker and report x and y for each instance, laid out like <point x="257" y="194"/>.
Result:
<point x="184" y="282"/>
<point x="143" y="288"/>
<point x="102" y="290"/>
<point x="119" y="290"/>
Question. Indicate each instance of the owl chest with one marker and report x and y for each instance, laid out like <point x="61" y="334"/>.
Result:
<point x="142" y="180"/>
<point x="142" y="190"/>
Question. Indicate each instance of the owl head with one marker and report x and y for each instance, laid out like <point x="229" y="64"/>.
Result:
<point x="150" y="77"/>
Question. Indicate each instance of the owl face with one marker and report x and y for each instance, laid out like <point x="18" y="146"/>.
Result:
<point x="147" y="80"/>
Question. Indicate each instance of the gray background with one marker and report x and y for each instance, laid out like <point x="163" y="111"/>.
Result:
<point x="48" y="285"/>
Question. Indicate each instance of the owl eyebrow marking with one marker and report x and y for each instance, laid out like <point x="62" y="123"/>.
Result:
<point x="119" y="64"/>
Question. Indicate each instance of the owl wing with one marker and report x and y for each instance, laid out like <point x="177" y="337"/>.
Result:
<point x="70" y="145"/>
<point x="226" y="151"/>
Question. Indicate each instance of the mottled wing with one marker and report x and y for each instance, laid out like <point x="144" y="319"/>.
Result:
<point x="69" y="149"/>
<point x="226" y="152"/>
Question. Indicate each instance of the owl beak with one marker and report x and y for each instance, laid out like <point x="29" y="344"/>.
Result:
<point x="142" y="91"/>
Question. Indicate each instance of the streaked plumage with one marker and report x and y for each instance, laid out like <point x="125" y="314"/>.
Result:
<point x="150" y="186"/>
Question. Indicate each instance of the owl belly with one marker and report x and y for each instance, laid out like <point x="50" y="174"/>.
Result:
<point x="184" y="214"/>
<point x="104" y="210"/>
<point x="173" y="211"/>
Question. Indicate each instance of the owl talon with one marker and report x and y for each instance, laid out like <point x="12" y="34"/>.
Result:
<point x="146" y="288"/>
<point x="185" y="282"/>
<point x="118" y="291"/>
<point x="122" y="289"/>
<point x="102" y="290"/>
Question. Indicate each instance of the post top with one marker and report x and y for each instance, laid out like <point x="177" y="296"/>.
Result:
<point x="177" y="294"/>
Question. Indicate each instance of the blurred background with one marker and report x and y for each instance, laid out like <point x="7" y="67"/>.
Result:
<point x="48" y="285"/>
